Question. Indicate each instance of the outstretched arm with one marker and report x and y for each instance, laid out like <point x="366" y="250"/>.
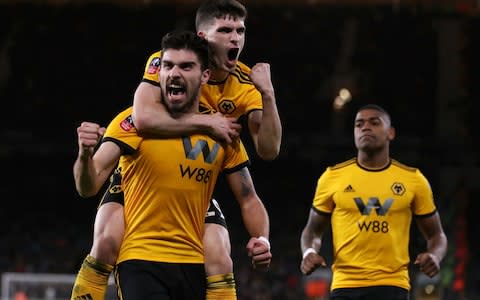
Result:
<point x="311" y="241"/>
<point x="265" y="126"/>
<point x="90" y="170"/>
<point x="255" y="216"/>
<point x="432" y="231"/>
<point x="151" y="118"/>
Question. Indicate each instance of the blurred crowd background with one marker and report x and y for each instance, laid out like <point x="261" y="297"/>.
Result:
<point x="62" y="62"/>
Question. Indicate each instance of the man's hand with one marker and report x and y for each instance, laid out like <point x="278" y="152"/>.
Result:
<point x="89" y="134"/>
<point x="428" y="263"/>
<point x="259" y="251"/>
<point x="223" y="129"/>
<point x="311" y="262"/>
<point x="261" y="78"/>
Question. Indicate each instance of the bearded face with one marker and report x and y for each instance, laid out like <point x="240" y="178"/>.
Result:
<point x="180" y="79"/>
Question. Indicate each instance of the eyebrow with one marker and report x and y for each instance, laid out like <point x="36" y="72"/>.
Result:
<point x="228" y="27"/>
<point x="182" y="63"/>
<point x="368" y="119"/>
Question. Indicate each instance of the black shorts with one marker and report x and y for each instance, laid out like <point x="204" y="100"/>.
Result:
<point x="214" y="214"/>
<point x="146" y="280"/>
<point x="371" y="292"/>
<point x="114" y="193"/>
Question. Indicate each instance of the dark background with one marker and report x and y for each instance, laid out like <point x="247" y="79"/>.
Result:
<point x="65" y="62"/>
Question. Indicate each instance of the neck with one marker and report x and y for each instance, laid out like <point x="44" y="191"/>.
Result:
<point x="190" y="109"/>
<point x="377" y="160"/>
<point x="218" y="74"/>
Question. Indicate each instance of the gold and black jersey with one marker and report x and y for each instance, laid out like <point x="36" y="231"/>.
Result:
<point x="168" y="184"/>
<point x="371" y="212"/>
<point x="235" y="96"/>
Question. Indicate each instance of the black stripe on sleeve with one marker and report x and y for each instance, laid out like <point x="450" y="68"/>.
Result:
<point x="150" y="81"/>
<point x="237" y="167"/>
<point x="125" y="148"/>
<point x="426" y="215"/>
<point x="321" y="212"/>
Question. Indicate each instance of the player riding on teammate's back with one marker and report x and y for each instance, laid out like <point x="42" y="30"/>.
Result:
<point x="161" y="256"/>
<point x="232" y="85"/>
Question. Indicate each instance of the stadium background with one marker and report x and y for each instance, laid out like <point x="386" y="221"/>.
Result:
<point x="62" y="62"/>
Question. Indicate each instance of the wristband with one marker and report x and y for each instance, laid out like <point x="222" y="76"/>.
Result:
<point x="308" y="251"/>
<point x="265" y="240"/>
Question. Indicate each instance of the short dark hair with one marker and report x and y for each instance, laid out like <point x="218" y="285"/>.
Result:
<point x="377" y="108"/>
<point x="212" y="9"/>
<point x="185" y="39"/>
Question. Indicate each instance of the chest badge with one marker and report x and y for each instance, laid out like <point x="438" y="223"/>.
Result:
<point x="226" y="106"/>
<point x="398" y="188"/>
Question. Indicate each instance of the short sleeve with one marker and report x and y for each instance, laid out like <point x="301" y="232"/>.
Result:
<point x="323" y="198"/>
<point x="235" y="157"/>
<point x="152" y="67"/>
<point x="423" y="202"/>
<point x="122" y="132"/>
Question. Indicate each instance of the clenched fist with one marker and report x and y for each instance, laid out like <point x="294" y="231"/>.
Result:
<point x="311" y="262"/>
<point x="261" y="78"/>
<point x="89" y="134"/>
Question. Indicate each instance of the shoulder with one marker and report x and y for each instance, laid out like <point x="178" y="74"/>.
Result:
<point x="243" y="67"/>
<point x="344" y="164"/>
<point x="156" y="54"/>
<point x="121" y="124"/>
<point x="242" y="73"/>
<point x="154" y="57"/>
<point x="407" y="172"/>
<point x="404" y="167"/>
<point x="124" y="119"/>
<point x="125" y="112"/>
<point x="333" y="171"/>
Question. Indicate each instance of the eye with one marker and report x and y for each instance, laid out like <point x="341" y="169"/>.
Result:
<point x="224" y="30"/>
<point x="166" y="66"/>
<point x="187" y="66"/>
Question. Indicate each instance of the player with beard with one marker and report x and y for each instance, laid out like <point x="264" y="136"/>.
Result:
<point x="369" y="202"/>
<point x="233" y="91"/>
<point x="161" y="256"/>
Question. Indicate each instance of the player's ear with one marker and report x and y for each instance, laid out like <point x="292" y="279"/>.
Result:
<point x="201" y="34"/>
<point x="205" y="76"/>
<point x="391" y="133"/>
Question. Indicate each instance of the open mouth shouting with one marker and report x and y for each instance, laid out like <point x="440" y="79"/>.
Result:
<point x="176" y="90"/>
<point x="232" y="56"/>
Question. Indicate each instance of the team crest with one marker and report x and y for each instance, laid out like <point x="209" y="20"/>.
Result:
<point x="115" y="189"/>
<point x="226" y="106"/>
<point x="127" y="124"/>
<point x="154" y="66"/>
<point x="398" y="188"/>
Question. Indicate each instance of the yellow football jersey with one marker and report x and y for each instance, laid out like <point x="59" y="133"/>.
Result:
<point x="371" y="212"/>
<point x="168" y="184"/>
<point x="235" y="96"/>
